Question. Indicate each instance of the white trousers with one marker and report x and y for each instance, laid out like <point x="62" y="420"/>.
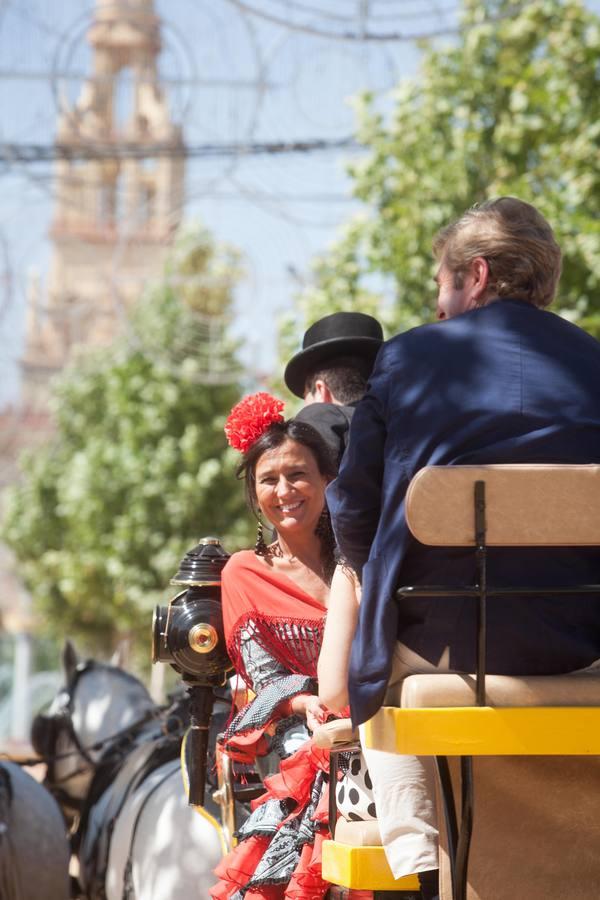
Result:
<point x="404" y="786"/>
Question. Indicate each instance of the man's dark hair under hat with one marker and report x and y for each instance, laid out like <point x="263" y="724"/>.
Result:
<point x="340" y="334"/>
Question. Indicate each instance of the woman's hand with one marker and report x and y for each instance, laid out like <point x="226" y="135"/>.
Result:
<point x="309" y="706"/>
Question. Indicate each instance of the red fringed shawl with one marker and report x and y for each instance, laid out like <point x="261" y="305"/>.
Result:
<point x="279" y="615"/>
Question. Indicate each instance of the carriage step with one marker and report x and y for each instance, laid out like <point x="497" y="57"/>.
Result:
<point x="362" y="868"/>
<point x="342" y="893"/>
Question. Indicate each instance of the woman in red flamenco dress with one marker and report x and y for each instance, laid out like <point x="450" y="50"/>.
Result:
<point x="274" y="604"/>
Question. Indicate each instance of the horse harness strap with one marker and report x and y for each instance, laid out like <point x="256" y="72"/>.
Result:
<point x="96" y="828"/>
<point x="45" y="729"/>
<point x="128" y="886"/>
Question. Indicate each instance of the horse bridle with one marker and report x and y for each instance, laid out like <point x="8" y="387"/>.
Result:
<point x="45" y="730"/>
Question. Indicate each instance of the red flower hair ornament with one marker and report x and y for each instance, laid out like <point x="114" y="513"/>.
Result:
<point x="250" y="418"/>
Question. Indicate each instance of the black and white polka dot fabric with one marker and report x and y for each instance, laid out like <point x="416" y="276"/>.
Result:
<point x="354" y="795"/>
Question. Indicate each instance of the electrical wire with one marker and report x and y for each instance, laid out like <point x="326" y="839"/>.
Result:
<point x="292" y="7"/>
<point x="34" y="153"/>
<point x="365" y="36"/>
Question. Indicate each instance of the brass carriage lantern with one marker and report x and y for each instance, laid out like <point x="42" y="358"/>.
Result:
<point x="188" y="634"/>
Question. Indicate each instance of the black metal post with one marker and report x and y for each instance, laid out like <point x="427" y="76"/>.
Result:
<point x="449" y="814"/>
<point x="333" y="771"/>
<point x="466" y="827"/>
<point x="201" y="705"/>
<point x="461" y="858"/>
<point x="481" y="552"/>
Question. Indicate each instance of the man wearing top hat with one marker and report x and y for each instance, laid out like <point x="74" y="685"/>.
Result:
<point x="331" y="371"/>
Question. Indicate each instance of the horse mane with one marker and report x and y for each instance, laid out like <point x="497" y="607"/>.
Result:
<point x="117" y="670"/>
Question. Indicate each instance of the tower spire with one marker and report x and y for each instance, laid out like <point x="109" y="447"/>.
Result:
<point x="113" y="218"/>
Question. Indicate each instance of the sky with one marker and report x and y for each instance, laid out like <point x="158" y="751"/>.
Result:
<point x="234" y="75"/>
<point x="237" y="71"/>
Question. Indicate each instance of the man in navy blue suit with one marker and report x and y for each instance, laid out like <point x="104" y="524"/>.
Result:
<point x="498" y="379"/>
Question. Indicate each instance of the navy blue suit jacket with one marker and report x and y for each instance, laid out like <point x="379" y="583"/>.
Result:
<point x="505" y="383"/>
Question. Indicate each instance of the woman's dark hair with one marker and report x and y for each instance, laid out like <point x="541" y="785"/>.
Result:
<point x="304" y="434"/>
<point x="276" y="435"/>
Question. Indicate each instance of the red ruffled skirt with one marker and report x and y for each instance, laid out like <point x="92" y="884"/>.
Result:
<point x="294" y="782"/>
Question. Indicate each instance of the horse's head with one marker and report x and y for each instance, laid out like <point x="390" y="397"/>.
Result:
<point x="98" y="708"/>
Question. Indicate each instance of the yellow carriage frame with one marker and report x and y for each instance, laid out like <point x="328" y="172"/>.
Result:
<point x="481" y="507"/>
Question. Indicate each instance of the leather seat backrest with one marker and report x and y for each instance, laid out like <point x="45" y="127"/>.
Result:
<point x="525" y="505"/>
<point x="451" y="690"/>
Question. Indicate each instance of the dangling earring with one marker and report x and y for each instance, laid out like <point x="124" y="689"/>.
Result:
<point x="260" y="547"/>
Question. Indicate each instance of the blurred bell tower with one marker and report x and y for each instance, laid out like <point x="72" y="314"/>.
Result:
<point x="117" y="206"/>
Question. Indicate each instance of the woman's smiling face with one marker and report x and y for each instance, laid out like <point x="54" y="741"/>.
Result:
<point x="289" y="487"/>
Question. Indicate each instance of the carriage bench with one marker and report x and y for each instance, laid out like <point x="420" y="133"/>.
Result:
<point x="528" y="746"/>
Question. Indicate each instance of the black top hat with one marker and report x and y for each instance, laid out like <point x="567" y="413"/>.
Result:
<point x="340" y="334"/>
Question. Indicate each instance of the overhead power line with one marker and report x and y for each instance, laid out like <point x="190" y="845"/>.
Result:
<point x="44" y="76"/>
<point x="363" y="35"/>
<point x="33" y="153"/>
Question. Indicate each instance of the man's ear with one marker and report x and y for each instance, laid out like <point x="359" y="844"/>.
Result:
<point x="480" y="275"/>
<point x="321" y="392"/>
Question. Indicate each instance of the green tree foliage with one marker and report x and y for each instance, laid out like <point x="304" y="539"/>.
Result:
<point x="511" y="107"/>
<point x="139" y="468"/>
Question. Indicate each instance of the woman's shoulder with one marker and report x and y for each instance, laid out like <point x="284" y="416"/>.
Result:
<point x="240" y="561"/>
<point x="245" y="567"/>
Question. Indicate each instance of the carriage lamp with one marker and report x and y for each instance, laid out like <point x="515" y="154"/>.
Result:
<point x="188" y="634"/>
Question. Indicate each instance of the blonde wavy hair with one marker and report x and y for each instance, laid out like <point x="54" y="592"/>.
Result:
<point x="518" y="244"/>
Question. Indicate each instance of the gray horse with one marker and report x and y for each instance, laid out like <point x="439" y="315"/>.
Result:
<point x="34" y="849"/>
<point x="112" y="767"/>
